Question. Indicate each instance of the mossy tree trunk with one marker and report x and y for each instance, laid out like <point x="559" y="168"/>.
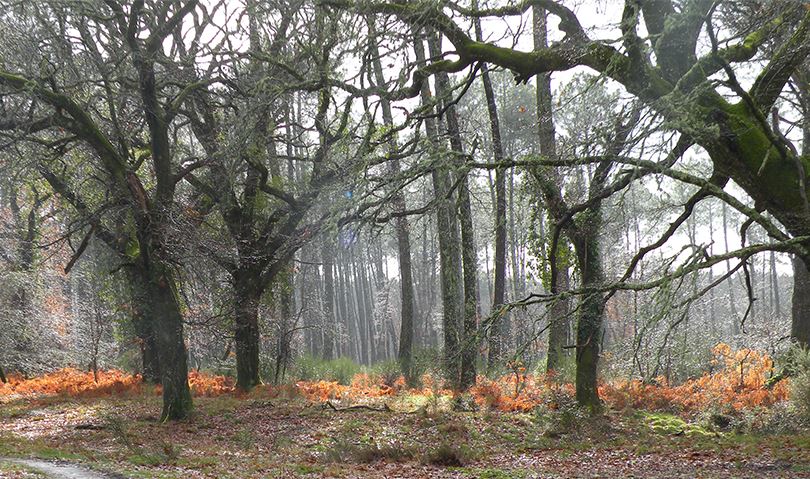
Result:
<point x="401" y="228"/>
<point x="590" y="321"/>
<point x="560" y="322"/>
<point x="449" y="241"/>
<point x="468" y="337"/>
<point x="164" y="310"/>
<point x="142" y="323"/>
<point x="248" y="293"/>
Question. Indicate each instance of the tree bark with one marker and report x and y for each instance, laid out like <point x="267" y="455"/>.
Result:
<point x="449" y="244"/>
<point x="800" y="326"/>
<point x="328" y="260"/>
<point x="167" y="324"/>
<point x="247" y="297"/>
<point x="559" y="310"/>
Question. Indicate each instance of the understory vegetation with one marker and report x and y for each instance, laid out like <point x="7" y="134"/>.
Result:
<point x="729" y="423"/>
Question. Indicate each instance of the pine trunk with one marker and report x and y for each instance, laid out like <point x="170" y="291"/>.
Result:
<point x="449" y="243"/>
<point x="499" y="288"/>
<point x="328" y="260"/>
<point x="402" y="231"/>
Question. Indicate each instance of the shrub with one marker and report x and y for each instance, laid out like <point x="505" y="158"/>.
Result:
<point x="345" y="451"/>
<point x="207" y="385"/>
<point x="388" y="373"/>
<point x="340" y="370"/>
<point x="426" y="362"/>
<point x="450" y="455"/>
<point x="72" y="382"/>
<point x="800" y="383"/>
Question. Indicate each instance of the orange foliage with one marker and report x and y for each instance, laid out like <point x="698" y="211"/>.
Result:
<point x="362" y="386"/>
<point x="72" y="382"/>
<point x="321" y="390"/>
<point x="207" y="385"/>
<point x="738" y="383"/>
<point x="519" y="392"/>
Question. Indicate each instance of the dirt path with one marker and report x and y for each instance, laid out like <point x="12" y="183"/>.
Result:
<point x="58" y="470"/>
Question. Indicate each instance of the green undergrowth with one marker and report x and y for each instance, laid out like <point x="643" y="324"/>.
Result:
<point x="342" y="370"/>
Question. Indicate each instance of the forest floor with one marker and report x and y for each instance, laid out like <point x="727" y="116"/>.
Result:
<point x="410" y="436"/>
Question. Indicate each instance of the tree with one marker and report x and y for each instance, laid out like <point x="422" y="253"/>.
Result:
<point x="133" y="45"/>
<point x="402" y="228"/>
<point x="262" y="209"/>
<point x="468" y="336"/>
<point x="547" y="147"/>
<point x="667" y="72"/>
<point x="449" y="241"/>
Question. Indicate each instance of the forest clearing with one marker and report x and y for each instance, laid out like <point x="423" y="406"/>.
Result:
<point x="516" y="427"/>
<point x="405" y="238"/>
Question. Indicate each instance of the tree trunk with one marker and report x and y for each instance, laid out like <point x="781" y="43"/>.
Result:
<point x="590" y="324"/>
<point x="449" y="243"/>
<point x="328" y="260"/>
<point x="800" y="327"/>
<point x="800" y="312"/>
<point x="142" y="324"/>
<point x="469" y="336"/>
<point x="499" y="288"/>
<point x="3" y="376"/>
<point x="559" y="320"/>
<point x="402" y="231"/>
<point x="732" y="302"/>
<point x="285" y="292"/>
<point x="559" y="310"/>
<point x="247" y="296"/>
<point x="163" y="308"/>
<point x="405" y="354"/>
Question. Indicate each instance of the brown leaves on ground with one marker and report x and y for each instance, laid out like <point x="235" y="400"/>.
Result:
<point x="524" y="427"/>
<point x="247" y="438"/>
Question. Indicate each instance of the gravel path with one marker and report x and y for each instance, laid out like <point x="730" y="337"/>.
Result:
<point x="58" y="470"/>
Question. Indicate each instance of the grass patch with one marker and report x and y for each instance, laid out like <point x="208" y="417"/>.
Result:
<point x="343" y="451"/>
<point x="19" y="471"/>
<point x="450" y="455"/>
<point x="491" y="473"/>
